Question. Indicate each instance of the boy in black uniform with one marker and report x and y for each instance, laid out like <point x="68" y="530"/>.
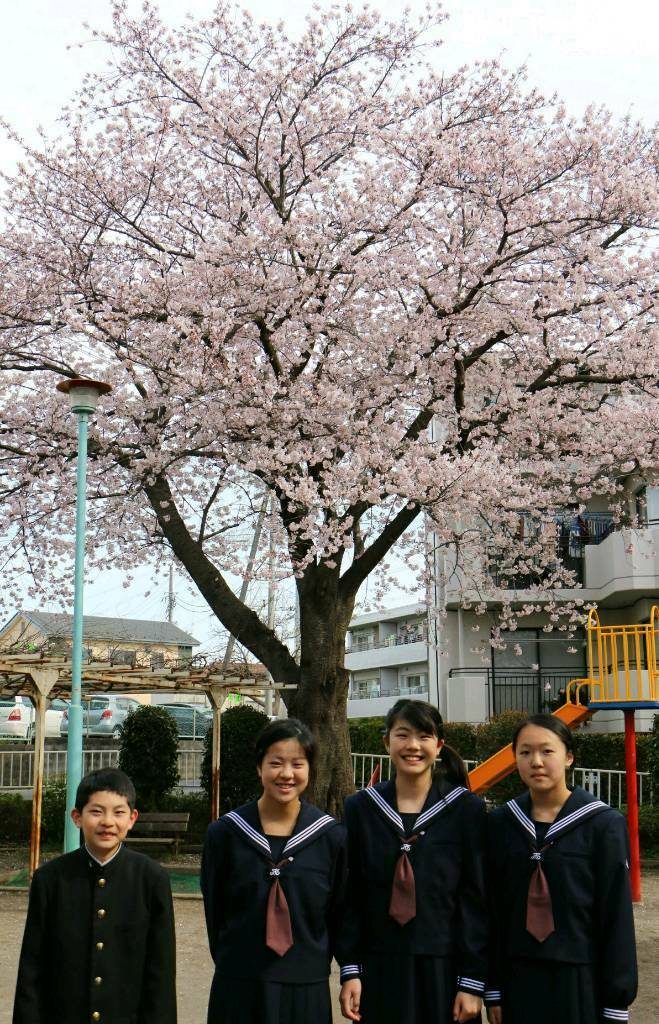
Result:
<point x="99" y="936"/>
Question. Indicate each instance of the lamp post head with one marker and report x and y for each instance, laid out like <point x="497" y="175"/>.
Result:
<point x="83" y="393"/>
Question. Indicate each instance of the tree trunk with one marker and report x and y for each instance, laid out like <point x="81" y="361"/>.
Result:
<point x="320" y="700"/>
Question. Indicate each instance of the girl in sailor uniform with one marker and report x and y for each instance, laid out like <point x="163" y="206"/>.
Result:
<point x="273" y="880"/>
<point x="414" y="944"/>
<point x="563" y="944"/>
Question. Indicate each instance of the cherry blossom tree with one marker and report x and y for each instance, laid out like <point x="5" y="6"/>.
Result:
<point x="329" y="270"/>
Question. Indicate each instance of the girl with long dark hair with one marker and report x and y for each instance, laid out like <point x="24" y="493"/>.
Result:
<point x="414" y="946"/>
<point x="562" y="927"/>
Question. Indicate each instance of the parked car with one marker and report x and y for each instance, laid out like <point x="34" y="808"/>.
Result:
<point x="17" y="717"/>
<point x="103" y="714"/>
<point x="16" y="714"/>
<point x="192" y="721"/>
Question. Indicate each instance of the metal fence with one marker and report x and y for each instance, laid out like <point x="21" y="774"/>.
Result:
<point x="17" y="766"/>
<point x="606" y="784"/>
<point x="16" y="772"/>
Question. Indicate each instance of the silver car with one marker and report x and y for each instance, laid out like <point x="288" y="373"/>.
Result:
<point x="103" y="714"/>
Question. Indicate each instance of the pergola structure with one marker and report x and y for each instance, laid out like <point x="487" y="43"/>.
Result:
<point x="41" y="677"/>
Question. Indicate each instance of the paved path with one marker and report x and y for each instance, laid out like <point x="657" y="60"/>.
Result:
<point x="194" y="964"/>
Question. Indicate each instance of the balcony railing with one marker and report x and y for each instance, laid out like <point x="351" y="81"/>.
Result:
<point x="396" y="640"/>
<point x="573" y="534"/>
<point x="376" y="691"/>
<point x="522" y="689"/>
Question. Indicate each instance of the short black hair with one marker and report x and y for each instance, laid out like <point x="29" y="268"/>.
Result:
<point x="550" y="722"/>
<point x="105" y="780"/>
<point x="286" y="729"/>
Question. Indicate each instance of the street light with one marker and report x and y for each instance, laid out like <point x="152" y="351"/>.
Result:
<point x="83" y="396"/>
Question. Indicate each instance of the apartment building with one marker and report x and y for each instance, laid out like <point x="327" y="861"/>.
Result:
<point x="449" y="660"/>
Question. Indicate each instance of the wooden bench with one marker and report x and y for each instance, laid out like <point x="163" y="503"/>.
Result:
<point x="159" y="828"/>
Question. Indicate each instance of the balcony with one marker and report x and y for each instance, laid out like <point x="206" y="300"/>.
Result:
<point x="373" y="691"/>
<point x="573" y="535"/>
<point x="395" y="640"/>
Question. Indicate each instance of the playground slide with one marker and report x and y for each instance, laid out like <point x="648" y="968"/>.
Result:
<point x="503" y="762"/>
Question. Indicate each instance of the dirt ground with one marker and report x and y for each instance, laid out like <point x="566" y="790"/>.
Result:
<point x="194" y="964"/>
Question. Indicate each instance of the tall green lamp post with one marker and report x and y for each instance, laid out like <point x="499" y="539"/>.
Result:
<point x="83" y="396"/>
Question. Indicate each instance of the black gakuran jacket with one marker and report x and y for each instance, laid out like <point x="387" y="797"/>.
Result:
<point x="99" y="943"/>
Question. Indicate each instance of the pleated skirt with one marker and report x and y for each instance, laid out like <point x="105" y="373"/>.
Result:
<point x="408" y="990"/>
<point x="549" y="992"/>
<point x="240" y="1001"/>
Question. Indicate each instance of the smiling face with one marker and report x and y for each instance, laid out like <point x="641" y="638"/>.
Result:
<point x="284" y="771"/>
<point x="542" y="759"/>
<point x="105" y="821"/>
<point x="412" y="751"/>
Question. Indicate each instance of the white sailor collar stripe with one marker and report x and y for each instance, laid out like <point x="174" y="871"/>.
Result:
<point x="295" y="841"/>
<point x="440" y="806"/>
<point x="385" y="808"/>
<point x="424" y="817"/>
<point x="309" y="832"/>
<point x="561" y="824"/>
<point x="522" y="818"/>
<point x="259" y="840"/>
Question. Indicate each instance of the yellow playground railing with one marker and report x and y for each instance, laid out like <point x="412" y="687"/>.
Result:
<point x="622" y="664"/>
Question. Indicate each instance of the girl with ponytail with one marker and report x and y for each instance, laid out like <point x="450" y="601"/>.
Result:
<point x="414" y="943"/>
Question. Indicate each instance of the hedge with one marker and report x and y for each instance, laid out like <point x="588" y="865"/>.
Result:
<point x="238" y="779"/>
<point x="478" y="742"/>
<point x="149" y="754"/>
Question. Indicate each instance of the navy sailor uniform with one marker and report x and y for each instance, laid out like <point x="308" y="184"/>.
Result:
<point x="252" y="984"/>
<point x="412" y="972"/>
<point x="585" y="971"/>
<point x="99" y="943"/>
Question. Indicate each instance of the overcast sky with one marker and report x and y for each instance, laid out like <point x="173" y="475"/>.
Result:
<point x="601" y="51"/>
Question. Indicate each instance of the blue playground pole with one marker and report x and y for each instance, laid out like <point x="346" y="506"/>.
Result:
<point x="74" y="738"/>
<point x="83" y="397"/>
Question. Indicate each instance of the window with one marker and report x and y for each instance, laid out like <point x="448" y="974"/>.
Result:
<point x="363" y="689"/>
<point x="121" y="657"/>
<point x="157" y="659"/>
<point x="647" y="505"/>
<point x="362" y="640"/>
<point x="417" y="683"/>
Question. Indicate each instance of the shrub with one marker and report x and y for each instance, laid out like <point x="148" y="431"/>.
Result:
<point x="648" y="830"/>
<point x="366" y="735"/>
<point x="198" y="807"/>
<point x="238" y="779"/>
<point x="462" y="737"/>
<point x="15" y="813"/>
<point x="53" y="810"/>
<point x="653" y="754"/>
<point x="607" y="750"/>
<point x="149" y="754"/>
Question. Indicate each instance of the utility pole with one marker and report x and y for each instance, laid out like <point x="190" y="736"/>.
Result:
<point x="271" y="599"/>
<point x="248" y="572"/>
<point x="171" y="600"/>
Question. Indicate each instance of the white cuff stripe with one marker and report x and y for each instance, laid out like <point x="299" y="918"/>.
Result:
<point x="472" y="984"/>
<point x="610" y="1014"/>
<point x="352" y="969"/>
<point x="492" y="994"/>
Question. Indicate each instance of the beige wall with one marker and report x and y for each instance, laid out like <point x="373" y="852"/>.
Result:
<point x="23" y="634"/>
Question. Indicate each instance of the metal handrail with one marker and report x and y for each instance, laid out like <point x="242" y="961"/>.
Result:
<point x="602" y="782"/>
